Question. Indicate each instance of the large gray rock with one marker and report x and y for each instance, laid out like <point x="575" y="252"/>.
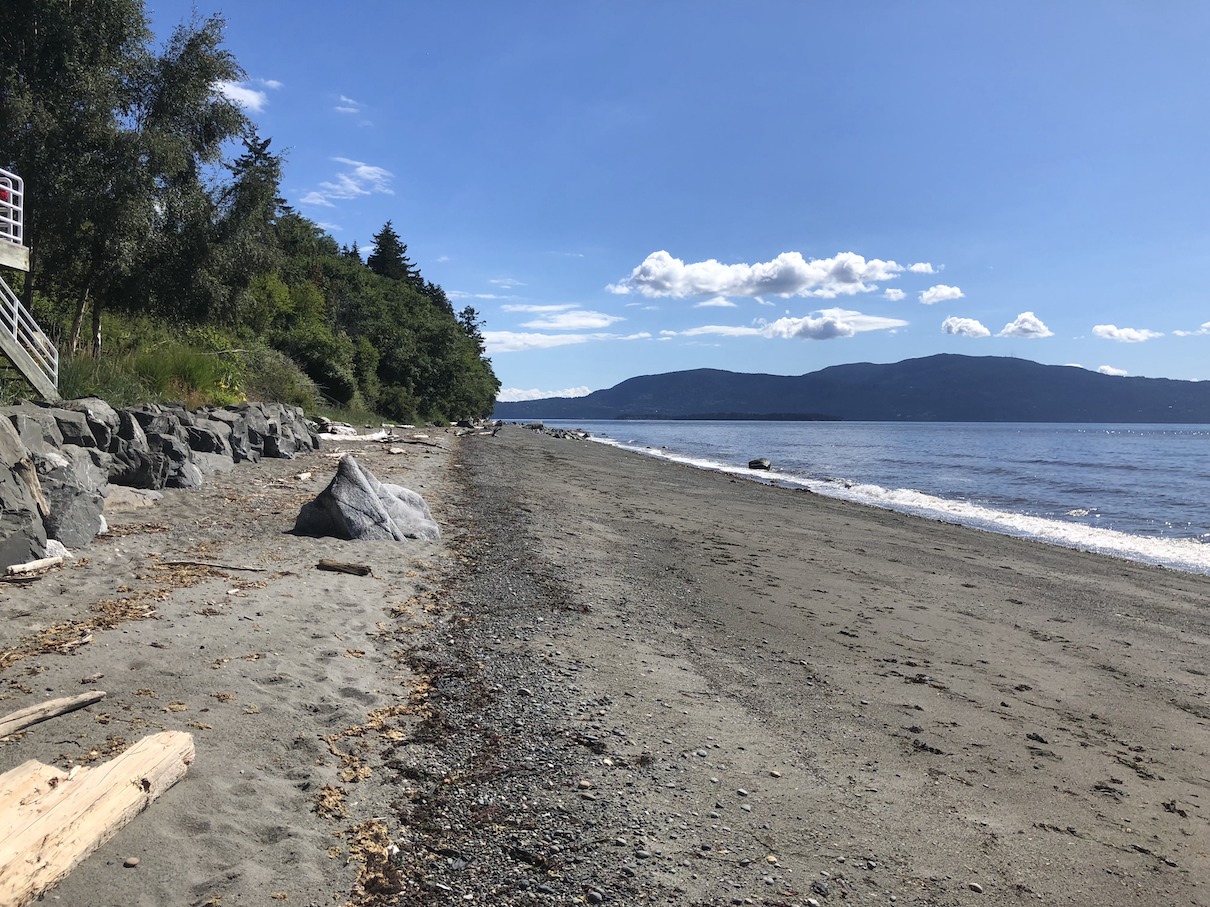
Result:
<point x="101" y="418"/>
<point x="182" y="471"/>
<point x="357" y="506"/>
<point x="134" y="464"/>
<point x="74" y="480"/>
<point x="35" y="425"/>
<point x="242" y="448"/>
<point x="22" y="504"/>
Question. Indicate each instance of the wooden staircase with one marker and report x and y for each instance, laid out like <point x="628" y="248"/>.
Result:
<point x="22" y="342"/>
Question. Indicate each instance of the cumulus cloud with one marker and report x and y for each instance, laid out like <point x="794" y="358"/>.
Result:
<point x="940" y="293"/>
<point x="1110" y="370"/>
<point x="358" y="179"/>
<point x="1124" y="335"/>
<point x="575" y="320"/>
<point x="1204" y="329"/>
<point x="964" y="327"/>
<point x="894" y="294"/>
<point x="826" y="324"/>
<point x="513" y="342"/>
<point x="243" y="95"/>
<point x="718" y="302"/>
<point x="514" y="394"/>
<point x="1028" y="326"/>
<point x="922" y="267"/>
<point x="844" y="274"/>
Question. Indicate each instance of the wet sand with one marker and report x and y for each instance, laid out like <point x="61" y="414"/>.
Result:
<point x="619" y="680"/>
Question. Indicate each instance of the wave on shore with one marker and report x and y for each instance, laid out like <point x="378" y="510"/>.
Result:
<point x="1189" y="555"/>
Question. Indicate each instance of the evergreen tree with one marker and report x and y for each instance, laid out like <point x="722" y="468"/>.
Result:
<point x="390" y="256"/>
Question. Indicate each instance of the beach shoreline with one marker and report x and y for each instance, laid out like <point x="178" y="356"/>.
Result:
<point x="621" y="680"/>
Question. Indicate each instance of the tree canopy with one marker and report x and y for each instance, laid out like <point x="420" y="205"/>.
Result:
<point x="148" y="191"/>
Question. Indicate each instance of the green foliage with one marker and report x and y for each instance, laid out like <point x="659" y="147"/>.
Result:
<point x="273" y="376"/>
<point x="204" y="283"/>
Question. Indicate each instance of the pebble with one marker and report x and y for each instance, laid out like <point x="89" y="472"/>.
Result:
<point x="742" y="792"/>
<point x="130" y="862"/>
<point x="976" y="888"/>
<point x="595" y="897"/>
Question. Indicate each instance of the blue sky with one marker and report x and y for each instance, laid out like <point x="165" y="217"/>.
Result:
<point x="625" y="188"/>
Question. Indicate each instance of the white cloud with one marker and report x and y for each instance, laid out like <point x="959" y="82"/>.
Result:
<point x="513" y="342"/>
<point x="507" y="282"/>
<point x="1124" y="335"/>
<point x="1028" y="326"/>
<point x="826" y="324"/>
<point x="1204" y="329"/>
<point x="520" y="307"/>
<point x="964" y="327"/>
<point x="576" y="320"/>
<point x="241" y="94"/>
<point x="894" y="294"/>
<point x="844" y="274"/>
<point x="357" y="180"/>
<point x="270" y="83"/>
<point x="514" y="394"/>
<point x="462" y="294"/>
<point x="718" y="302"/>
<point x="922" y="267"/>
<point x="348" y="105"/>
<point x="940" y="293"/>
<point x="1110" y="370"/>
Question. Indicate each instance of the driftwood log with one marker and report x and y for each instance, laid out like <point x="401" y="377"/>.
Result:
<point x="23" y="718"/>
<point x="43" y="563"/>
<point x="53" y="819"/>
<point x="342" y="567"/>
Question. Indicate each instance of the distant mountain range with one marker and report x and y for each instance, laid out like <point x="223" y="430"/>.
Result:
<point x="943" y="388"/>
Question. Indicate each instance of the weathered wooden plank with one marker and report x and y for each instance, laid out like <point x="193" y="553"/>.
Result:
<point x="52" y="833"/>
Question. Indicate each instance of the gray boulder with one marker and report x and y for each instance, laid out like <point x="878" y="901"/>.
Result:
<point x="22" y="503"/>
<point x="182" y="471"/>
<point x="242" y="448"/>
<point x="35" y="426"/>
<point x="101" y="418"/>
<point x="357" y="506"/>
<point x="134" y="464"/>
<point x="74" y="480"/>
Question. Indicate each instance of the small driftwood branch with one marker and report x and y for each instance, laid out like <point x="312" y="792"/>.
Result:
<point x="211" y="565"/>
<point x="23" y="718"/>
<point x="339" y="567"/>
<point x="43" y="563"/>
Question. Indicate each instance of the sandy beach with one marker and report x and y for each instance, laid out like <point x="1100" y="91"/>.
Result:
<point x="619" y="680"/>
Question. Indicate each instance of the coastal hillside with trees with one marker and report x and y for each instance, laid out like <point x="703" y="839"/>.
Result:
<point x="165" y="262"/>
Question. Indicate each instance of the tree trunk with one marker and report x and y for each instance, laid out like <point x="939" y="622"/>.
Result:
<point x="96" y="328"/>
<point x="77" y="322"/>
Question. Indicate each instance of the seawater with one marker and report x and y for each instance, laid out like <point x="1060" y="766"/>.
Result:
<point x="1140" y="492"/>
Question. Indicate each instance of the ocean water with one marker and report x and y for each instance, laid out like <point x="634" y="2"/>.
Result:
<point x="1140" y="492"/>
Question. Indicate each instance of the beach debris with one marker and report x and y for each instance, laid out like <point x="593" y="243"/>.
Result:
<point x="356" y="506"/>
<point x="41" y="565"/>
<point x="760" y="463"/>
<point x="211" y="565"/>
<point x="341" y="567"/>
<point x="34" y="714"/>
<point x="56" y="818"/>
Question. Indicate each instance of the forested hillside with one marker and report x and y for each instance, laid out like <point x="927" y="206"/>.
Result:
<point x="152" y="209"/>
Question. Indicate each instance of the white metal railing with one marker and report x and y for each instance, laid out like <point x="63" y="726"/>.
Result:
<point x="17" y="323"/>
<point x="12" y="207"/>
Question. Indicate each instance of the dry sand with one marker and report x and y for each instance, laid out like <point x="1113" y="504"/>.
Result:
<point x="624" y="681"/>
